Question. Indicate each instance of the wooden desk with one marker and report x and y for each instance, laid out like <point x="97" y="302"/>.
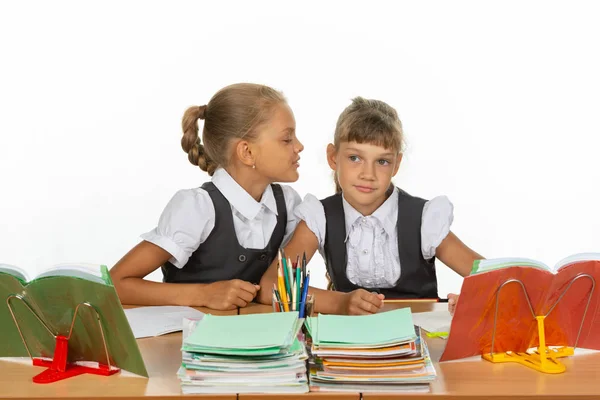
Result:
<point x="415" y="307"/>
<point x="479" y="379"/>
<point x="254" y="308"/>
<point x="307" y="396"/>
<point x="162" y="356"/>
<point x="472" y="379"/>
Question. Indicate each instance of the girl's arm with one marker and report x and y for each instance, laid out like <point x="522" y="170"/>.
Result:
<point x="128" y="274"/>
<point x="326" y="301"/>
<point x="456" y="255"/>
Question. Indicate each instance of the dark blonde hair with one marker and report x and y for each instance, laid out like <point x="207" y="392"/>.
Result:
<point x="233" y="112"/>
<point x="368" y="121"/>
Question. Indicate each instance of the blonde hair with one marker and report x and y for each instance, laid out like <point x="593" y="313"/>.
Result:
<point x="368" y="121"/>
<point x="233" y="112"/>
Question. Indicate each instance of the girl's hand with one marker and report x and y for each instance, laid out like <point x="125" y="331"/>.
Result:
<point x="228" y="295"/>
<point x="452" y="300"/>
<point x="361" y="302"/>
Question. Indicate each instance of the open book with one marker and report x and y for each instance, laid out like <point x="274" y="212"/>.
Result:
<point x="88" y="272"/>
<point x="573" y="278"/>
<point x="54" y="295"/>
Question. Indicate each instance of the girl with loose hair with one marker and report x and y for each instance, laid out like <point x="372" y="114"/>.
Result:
<point x="377" y="240"/>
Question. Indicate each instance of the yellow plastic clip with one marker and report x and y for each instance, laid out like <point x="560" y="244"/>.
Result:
<point x="543" y="359"/>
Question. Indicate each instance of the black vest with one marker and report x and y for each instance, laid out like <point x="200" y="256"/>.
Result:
<point x="221" y="257"/>
<point x="417" y="275"/>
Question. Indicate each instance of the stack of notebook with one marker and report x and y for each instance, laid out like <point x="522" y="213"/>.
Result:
<point x="257" y="353"/>
<point x="373" y="353"/>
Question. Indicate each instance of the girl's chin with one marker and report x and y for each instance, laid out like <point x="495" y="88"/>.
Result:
<point x="291" y="176"/>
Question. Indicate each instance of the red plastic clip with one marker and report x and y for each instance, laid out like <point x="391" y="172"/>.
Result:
<point x="58" y="368"/>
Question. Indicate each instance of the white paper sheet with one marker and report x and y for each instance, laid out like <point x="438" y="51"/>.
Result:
<point x="159" y="320"/>
<point x="433" y="321"/>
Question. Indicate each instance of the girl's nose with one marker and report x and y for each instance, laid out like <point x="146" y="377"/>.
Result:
<point x="367" y="171"/>
<point x="299" y="146"/>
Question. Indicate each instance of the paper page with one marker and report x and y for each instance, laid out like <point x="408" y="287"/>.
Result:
<point x="189" y="324"/>
<point x="159" y="320"/>
<point x="433" y="321"/>
<point x="89" y="272"/>
<point x="13" y="270"/>
<point x="576" y="258"/>
<point x="482" y="266"/>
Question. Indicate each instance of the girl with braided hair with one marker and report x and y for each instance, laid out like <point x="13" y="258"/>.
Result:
<point x="214" y="243"/>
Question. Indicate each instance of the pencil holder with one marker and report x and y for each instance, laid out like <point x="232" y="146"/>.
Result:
<point x="305" y="309"/>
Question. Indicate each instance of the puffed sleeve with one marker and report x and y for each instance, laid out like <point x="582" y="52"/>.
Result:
<point x="184" y="224"/>
<point x="438" y="214"/>
<point x="311" y="211"/>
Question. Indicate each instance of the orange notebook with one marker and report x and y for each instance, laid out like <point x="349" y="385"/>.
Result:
<point x="516" y="329"/>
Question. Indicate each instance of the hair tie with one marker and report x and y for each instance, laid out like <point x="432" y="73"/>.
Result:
<point x="202" y="110"/>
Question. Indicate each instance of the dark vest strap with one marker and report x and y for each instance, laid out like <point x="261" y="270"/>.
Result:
<point x="417" y="277"/>
<point x="336" y="257"/>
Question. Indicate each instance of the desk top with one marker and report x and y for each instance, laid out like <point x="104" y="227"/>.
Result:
<point x="162" y="356"/>
<point x="473" y="378"/>
<point x="254" y="308"/>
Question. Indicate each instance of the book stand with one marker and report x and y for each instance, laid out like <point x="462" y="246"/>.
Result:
<point x="543" y="359"/>
<point x="58" y="368"/>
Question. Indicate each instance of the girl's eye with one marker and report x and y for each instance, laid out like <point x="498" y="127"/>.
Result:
<point x="354" y="158"/>
<point x="384" y="162"/>
<point x="288" y="141"/>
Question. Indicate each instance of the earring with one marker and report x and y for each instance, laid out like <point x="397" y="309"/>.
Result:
<point x="253" y="166"/>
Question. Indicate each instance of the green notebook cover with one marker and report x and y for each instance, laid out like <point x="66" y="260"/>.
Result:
<point x="54" y="299"/>
<point x="246" y="335"/>
<point x="356" y="330"/>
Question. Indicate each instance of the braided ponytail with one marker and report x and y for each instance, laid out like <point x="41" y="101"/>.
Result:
<point x="190" y="142"/>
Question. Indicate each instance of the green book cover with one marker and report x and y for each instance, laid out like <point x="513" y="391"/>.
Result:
<point x="247" y="335"/>
<point x="54" y="296"/>
<point x="356" y="330"/>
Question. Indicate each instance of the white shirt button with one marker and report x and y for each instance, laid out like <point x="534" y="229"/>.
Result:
<point x="364" y="219"/>
<point x="365" y="251"/>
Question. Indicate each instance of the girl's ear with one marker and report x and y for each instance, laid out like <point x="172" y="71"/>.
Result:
<point x="243" y="151"/>
<point x="397" y="165"/>
<point x="332" y="157"/>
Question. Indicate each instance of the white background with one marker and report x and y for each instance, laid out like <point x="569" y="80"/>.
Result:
<point x="499" y="102"/>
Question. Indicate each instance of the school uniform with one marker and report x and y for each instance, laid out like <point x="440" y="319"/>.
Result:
<point x="219" y="232"/>
<point x="391" y="251"/>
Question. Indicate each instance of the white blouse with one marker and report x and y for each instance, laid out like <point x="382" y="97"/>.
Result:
<point x="372" y="241"/>
<point x="189" y="218"/>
